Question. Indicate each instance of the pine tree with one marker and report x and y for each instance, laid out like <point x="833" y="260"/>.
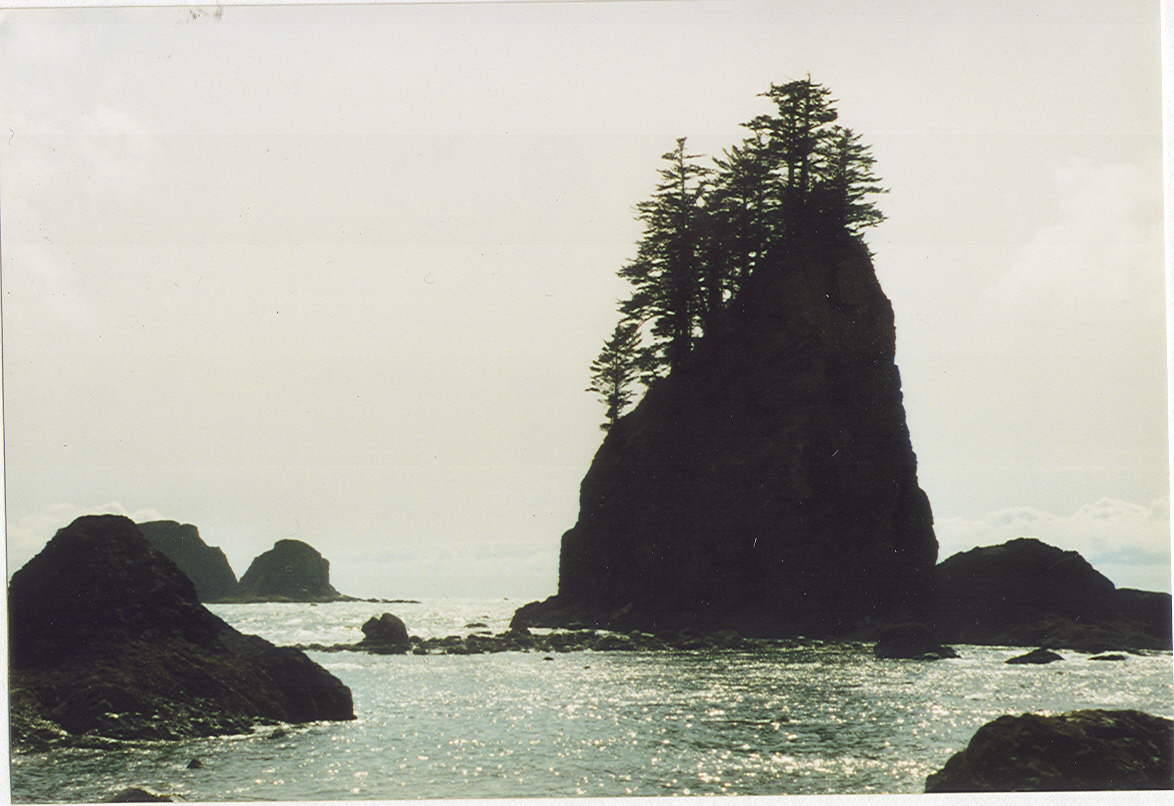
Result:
<point x="615" y="370"/>
<point x="665" y="275"/>
<point x="847" y="181"/>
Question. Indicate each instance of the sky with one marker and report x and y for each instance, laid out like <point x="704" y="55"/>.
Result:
<point x="338" y="273"/>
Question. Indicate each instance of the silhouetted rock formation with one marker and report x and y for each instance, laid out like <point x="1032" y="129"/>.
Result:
<point x="1027" y="593"/>
<point x="768" y="483"/>
<point x="387" y="634"/>
<point x="107" y="638"/>
<point x="1081" y="750"/>
<point x="291" y="571"/>
<point x="205" y="565"/>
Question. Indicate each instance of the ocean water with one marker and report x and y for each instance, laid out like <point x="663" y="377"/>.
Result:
<point x="817" y="718"/>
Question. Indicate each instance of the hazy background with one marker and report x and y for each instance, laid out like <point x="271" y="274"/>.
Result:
<point x="338" y="273"/>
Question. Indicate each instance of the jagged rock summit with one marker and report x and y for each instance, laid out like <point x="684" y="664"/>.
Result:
<point x="290" y="571"/>
<point x="205" y="565"/>
<point x="107" y="638"/>
<point x="768" y="483"/>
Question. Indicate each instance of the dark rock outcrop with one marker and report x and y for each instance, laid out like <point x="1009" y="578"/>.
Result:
<point x="768" y="484"/>
<point x="291" y="571"/>
<point x="387" y="633"/>
<point x="912" y="641"/>
<point x="1080" y="750"/>
<point x="1027" y="593"/>
<point x="1036" y="656"/>
<point x="206" y="566"/>
<point x="108" y="639"/>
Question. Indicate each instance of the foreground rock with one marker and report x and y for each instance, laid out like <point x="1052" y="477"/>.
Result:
<point x="206" y="566"/>
<point x="1027" y="593"/>
<point x="291" y="571"/>
<point x="911" y="641"/>
<point x="768" y="484"/>
<point x="108" y="640"/>
<point x="1081" y="750"/>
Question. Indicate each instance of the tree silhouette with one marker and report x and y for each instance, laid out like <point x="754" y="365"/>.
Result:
<point x="665" y="275"/>
<point x="618" y="366"/>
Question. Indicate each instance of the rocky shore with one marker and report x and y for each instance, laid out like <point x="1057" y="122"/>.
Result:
<point x="108" y="640"/>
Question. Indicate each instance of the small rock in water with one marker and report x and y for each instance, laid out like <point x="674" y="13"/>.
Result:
<point x="134" y="794"/>
<point x="548" y="657"/>
<point x="1040" y="655"/>
<point x="195" y="764"/>
<point x="1107" y="657"/>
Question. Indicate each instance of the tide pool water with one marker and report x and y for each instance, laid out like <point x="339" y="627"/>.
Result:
<point x="817" y="718"/>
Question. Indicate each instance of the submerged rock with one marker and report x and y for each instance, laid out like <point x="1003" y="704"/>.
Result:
<point x="107" y="638"/>
<point x="911" y="641"/>
<point x="1028" y="593"/>
<point x="134" y="794"/>
<point x="291" y="571"/>
<point x="768" y="483"/>
<point x="1080" y="750"/>
<point x="206" y="566"/>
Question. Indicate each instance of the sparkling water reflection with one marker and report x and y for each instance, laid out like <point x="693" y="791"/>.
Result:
<point x="814" y="718"/>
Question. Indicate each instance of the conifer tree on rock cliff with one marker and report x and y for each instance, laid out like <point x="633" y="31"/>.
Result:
<point x="766" y="480"/>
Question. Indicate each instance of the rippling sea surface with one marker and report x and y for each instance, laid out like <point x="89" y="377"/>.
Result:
<point x="815" y="718"/>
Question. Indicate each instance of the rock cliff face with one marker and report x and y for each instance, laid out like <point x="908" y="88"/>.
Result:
<point x="206" y="566"/>
<point x="1027" y="593"/>
<point x="290" y="571"/>
<point x="107" y="638"/>
<point x="768" y="483"/>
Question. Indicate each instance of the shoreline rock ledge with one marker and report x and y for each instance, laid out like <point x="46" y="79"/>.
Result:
<point x="768" y="484"/>
<point x="108" y="640"/>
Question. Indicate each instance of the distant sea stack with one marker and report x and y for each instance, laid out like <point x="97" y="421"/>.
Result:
<point x="290" y="571"/>
<point x="205" y="565"/>
<point x="108" y="639"/>
<point x="768" y="483"/>
<point x="1028" y="593"/>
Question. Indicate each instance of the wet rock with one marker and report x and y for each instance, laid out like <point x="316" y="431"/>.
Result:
<point x="1080" y="750"/>
<point x="1107" y="657"/>
<point x="911" y="641"/>
<point x="195" y="764"/>
<point x="387" y="631"/>
<point x="1037" y="656"/>
<point x="136" y="795"/>
<point x="107" y="638"/>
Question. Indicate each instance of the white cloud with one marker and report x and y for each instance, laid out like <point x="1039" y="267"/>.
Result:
<point x="1091" y="280"/>
<point x="28" y="534"/>
<point x="1126" y="541"/>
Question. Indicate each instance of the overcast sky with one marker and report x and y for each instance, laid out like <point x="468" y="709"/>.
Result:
<point x="338" y="273"/>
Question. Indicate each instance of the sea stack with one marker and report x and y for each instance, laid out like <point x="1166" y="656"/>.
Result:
<point x="767" y="484"/>
<point x="290" y="571"/>
<point x="107" y="638"/>
<point x="205" y="565"/>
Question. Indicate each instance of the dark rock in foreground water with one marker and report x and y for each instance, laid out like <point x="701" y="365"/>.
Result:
<point x="108" y="639"/>
<point x="911" y="642"/>
<point x="291" y="571"/>
<point x="206" y="566"/>
<point x="1080" y="750"/>
<point x="134" y="794"/>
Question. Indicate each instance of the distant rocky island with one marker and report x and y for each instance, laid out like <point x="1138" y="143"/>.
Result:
<point x="108" y="640"/>
<point x="292" y="571"/>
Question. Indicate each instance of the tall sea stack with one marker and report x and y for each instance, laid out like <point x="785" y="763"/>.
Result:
<point x="768" y="484"/>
